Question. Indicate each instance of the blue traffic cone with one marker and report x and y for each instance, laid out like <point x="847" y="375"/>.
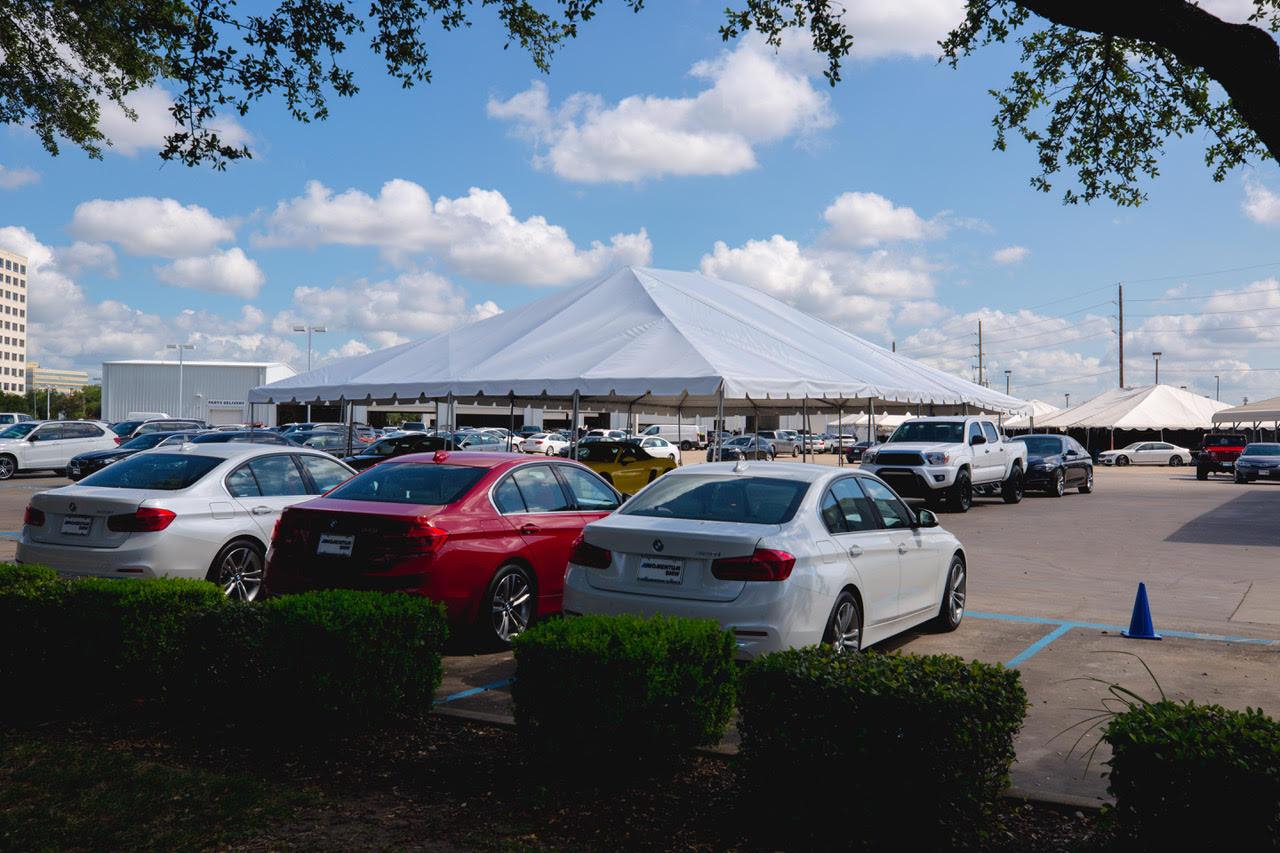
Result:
<point x="1140" y="626"/>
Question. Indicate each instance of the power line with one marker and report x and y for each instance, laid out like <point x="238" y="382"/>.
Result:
<point x="1209" y="313"/>
<point x="1200" y="274"/>
<point x="1207" y="295"/>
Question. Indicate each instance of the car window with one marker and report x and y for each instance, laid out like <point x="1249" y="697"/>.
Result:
<point x="325" y="473"/>
<point x="831" y="515"/>
<point x="990" y="431"/>
<point x="278" y="476"/>
<point x="507" y="498"/>
<point x="242" y="484"/>
<point x="651" y="442"/>
<point x="1077" y="447"/>
<point x="163" y="471"/>
<point x="855" y="508"/>
<point x="892" y="511"/>
<point x="715" y="497"/>
<point x="411" y="483"/>
<point x="599" y="453"/>
<point x="630" y="453"/>
<point x="589" y="491"/>
<point x="540" y="489"/>
<point x="975" y="431"/>
<point x="53" y="432"/>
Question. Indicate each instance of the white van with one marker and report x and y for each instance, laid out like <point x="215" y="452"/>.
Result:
<point x="687" y="436"/>
<point x="13" y="417"/>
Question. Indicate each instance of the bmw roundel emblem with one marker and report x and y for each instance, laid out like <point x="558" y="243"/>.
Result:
<point x="333" y="524"/>
<point x="72" y="506"/>
<point x="657" y="545"/>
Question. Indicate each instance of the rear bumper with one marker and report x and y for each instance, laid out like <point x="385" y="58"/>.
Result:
<point x="142" y="560"/>
<point x="1204" y="463"/>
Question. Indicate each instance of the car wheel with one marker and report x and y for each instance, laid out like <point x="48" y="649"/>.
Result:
<point x="795" y="451"/>
<point x="1241" y="478"/>
<point x="1202" y="473"/>
<point x="954" y="592"/>
<point x="844" y="627"/>
<point x="509" y="604"/>
<point x="550" y="452"/>
<point x="1122" y="460"/>
<point x="961" y="496"/>
<point x="1012" y="490"/>
<point x="1087" y="486"/>
<point x="8" y="467"/>
<point x="1058" y="487"/>
<point x="1175" y="461"/>
<point x="686" y="445"/>
<point x="653" y="474"/>
<point x="238" y="570"/>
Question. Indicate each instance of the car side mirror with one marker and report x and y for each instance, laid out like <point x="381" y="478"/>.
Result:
<point x="925" y="518"/>
<point x="978" y="439"/>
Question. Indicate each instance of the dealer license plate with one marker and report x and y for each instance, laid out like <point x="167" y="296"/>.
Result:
<point x="77" y="525"/>
<point x="333" y="545"/>
<point x="660" y="571"/>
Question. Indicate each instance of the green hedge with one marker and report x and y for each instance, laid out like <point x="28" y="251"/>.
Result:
<point x="878" y="749"/>
<point x="1184" y="774"/>
<point x="622" y="689"/>
<point x="32" y="600"/>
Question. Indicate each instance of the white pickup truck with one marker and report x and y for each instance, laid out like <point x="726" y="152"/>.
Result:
<point x="949" y="461"/>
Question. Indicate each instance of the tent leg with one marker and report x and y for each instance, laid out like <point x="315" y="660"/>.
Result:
<point x="453" y="420"/>
<point x="804" y="440"/>
<point x="511" y="430"/>
<point x="840" y="435"/>
<point x="573" y="429"/>
<point x="719" y="421"/>
<point x="351" y="416"/>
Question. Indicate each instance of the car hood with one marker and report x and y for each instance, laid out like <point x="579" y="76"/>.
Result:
<point x="917" y="446"/>
<point x="1115" y="452"/>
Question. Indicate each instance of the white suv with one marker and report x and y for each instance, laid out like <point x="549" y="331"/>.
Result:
<point x="49" y="445"/>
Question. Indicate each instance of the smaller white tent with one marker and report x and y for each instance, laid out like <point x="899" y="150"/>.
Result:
<point x="858" y="424"/>
<point x="1035" y="418"/>
<point x="1260" y="412"/>
<point x="1149" y="407"/>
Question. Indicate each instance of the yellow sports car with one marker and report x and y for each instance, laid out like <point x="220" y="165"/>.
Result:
<point x="624" y="464"/>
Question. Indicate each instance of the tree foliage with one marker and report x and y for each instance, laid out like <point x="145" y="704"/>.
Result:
<point x="1101" y="89"/>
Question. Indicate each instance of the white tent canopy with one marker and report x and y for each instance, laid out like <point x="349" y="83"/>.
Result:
<point x="884" y="423"/>
<point x="655" y="340"/>
<point x="1039" y="411"/>
<point x="1148" y="407"/>
<point x="1263" y="411"/>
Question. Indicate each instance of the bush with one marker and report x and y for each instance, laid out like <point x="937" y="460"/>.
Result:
<point x="32" y="601"/>
<point x="879" y="749"/>
<point x="622" y="688"/>
<point x="1187" y="775"/>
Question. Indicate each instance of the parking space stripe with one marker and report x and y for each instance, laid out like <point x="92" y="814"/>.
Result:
<point x="1098" y="626"/>
<point x="475" y="691"/>
<point x="1039" y="645"/>
<point x="10" y="534"/>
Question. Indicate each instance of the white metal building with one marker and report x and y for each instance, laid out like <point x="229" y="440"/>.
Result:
<point x="215" y="391"/>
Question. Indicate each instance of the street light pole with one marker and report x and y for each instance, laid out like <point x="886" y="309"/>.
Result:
<point x="1217" y="394"/>
<point x="180" y="348"/>
<point x="309" y="330"/>
<point x="1006" y="382"/>
<point x="1157" y="355"/>
<point x="1068" y="399"/>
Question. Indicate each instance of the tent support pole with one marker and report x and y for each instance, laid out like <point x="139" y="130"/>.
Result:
<point x="840" y="434"/>
<point x="573" y="429"/>
<point x="871" y="420"/>
<point x="804" y="440"/>
<point x="351" y="416"/>
<point x="453" y="420"/>
<point x="679" y="434"/>
<point x="511" y="430"/>
<point x="719" y="421"/>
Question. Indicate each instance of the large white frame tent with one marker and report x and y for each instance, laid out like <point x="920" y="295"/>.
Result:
<point x="644" y="340"/>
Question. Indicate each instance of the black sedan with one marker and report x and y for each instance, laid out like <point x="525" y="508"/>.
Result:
<point x="743" y="447"/>
<point x="1056" y="463"/>
<point x="86" y="463"/>
<point x="245" y="436"/>
<point x="854" y="453"/>
<point x="398" y="445"/>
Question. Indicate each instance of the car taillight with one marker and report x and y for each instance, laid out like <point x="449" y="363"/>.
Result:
<point x="119" y="440"/>
<point x="33" y="517"/>
<point x="421" y="538"/>
<point x="147" y="519"/>
<point x="763" y="565"/>
<point x="591" y="556"/>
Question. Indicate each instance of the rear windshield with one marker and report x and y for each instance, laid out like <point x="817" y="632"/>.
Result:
<point x="126" y="427"/>
<point x="146" y="441"/>
<point x="410" y="483"/>
<point x="164" y="471"/>
<point x="597" y="452"/>
<point x="948" y="432"/>
<point x="707" y="497"/>
<point x="1041" y="445"/>
<point x="1262" y="450"/>
<point x="1224" y="440"/>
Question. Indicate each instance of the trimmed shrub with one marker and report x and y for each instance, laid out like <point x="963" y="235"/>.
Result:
<point x="1186" y="775"/>
<point x="621" y="688"/>
<point x="878" y="749"/>
<point x="32" y="604"/>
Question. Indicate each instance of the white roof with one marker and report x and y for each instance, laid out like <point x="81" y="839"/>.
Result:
<point x="652" y="339"/>
<point x="1257" y="412"/>
<point x="1039" y="409"/>
<point x="1146" y="407"/>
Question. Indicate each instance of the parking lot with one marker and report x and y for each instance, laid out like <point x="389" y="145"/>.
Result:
<point x="1051" y="582"/>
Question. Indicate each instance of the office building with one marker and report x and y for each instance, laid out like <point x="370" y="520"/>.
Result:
<point x="13" y="322"/>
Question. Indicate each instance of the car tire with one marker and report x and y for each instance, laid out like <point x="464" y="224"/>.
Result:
<point x="686" y="445"/>
<point x="960" y="496"/>
<point x="1241" y="478"/>
<point x="1122" y="461"/>
<point x="844" y="625"/>
<point x="239" y="570"/>
<point x="8" y="466"/>
<point x="795" y="451"/>
<point x="1058" y="487"/>
<point x="1175" y="461"/>
<point x="549" y="452"/>
<point x="1202" y="473"/>
<point x="954" y="594"/>
<point x="1013" y="489"/>
<point x="1087" y="486"/>
<point x="508" y="607"/>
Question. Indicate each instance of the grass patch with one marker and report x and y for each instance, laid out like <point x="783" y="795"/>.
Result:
<point x="59" y="795"/>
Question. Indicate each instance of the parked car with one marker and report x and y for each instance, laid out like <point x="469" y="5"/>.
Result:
<point x="546" y="443"/>
<point x="390" y="448"/>
<point x="684" y="436"/>
<point x="785" y="556"/>
<point x="202" y="511"/>
<point x="248" y="436"/>
<point x="607" y="434"/>
<point x="1218" y="453"/>
<point x="488" y="535"/>
<point x="49" y="445"/>
<point x="949" y="460"/>
<point x="528" y="430"/>
<point x="1259" y="461"/>
<point x="478" y="440"/>
<point x="1147" y="453"/>
<point x="624" y="464"/>
<point x="813" y="442"/>
<point x="785" y="442"/>
<point x="743" y="447"/>
<point x="655" y="446"/>
<point x="169" y="425"/>
<point x="1056" y="463"/>
<point x="84" y="464"/>
<point x="327" y="441"/>
<point x="855" y="451"/>
<point x="7" y="418"/>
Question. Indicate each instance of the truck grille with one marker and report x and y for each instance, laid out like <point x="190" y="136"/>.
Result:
<point x="898" y="458"/>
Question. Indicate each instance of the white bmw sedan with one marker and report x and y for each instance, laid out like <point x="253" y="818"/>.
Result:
<point x="782" y="555"/>
<point x="193" y="511"/>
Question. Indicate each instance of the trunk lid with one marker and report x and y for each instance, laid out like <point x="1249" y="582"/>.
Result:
<point x="77" y="516"/>
<point x="358" y="537"/>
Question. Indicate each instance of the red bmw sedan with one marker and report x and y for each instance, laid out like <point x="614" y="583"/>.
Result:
<point x="487" y="534"/>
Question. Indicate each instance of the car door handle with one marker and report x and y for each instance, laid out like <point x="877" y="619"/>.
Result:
<point x="855" y="551"/>
<point x="528" y="529"/>
<point x="902" y="549"/>
<point x="261" y="510"/>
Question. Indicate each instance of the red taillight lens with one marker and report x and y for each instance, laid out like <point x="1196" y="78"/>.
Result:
<point x="591" y="556"/>
<point x="119" y="440"/>
<point x="421" y="538"/>
<point x="147" y="519"/>
<point x="764" y="565"/>
<point x="33" y="517"/>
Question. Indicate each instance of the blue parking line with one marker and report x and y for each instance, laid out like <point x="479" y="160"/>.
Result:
<point x="1038" y="646"/>
<point x="10" y="534"/>
<point x="476" y="691"/>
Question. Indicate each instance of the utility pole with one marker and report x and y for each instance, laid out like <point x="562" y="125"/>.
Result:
<point x="894" y="346"/>
<point x="980" y="375"/>
<point x="1121" y="287"/>
<point x="1217" y="394"/>
<point x="180" y="347"/>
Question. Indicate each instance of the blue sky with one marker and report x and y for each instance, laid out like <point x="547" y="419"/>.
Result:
<point x="878" y="204"/>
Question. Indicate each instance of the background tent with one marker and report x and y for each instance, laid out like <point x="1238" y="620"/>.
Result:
<point x="1150" y="407"/>
<point x="644" y="340"/>
<point x="859" y="424"/>
<point x="1261" y="412"/>
<point x="1033" y="419"/>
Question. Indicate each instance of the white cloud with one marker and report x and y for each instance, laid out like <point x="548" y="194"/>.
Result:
<point x="154" y="122"/>
<point x="910" y="28"/>
<point x="868" y="219"/>
<point x="12" y="179"/>
<point x="476" y="234"/>
<point x="81" y="256"/>
<point x="229" y="272"/>
<point x="1261" y="204"/>
<point x="145" y="225"/>
<point x="1010" y="255"/>
<point x="754" y="96"/>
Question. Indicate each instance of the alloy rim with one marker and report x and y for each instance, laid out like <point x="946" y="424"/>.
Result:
<point x="1089" y="482"/>
<point x="955" y="599"/>
<point x="240" y="574"/>
<point x="6" y="469"/>
<point x="1060" y="484"/>
<point x="966" y="496"/>
<point x="511" y="605"/>
<point x="1017" y="487"/>
<point x="846" y="635"/>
